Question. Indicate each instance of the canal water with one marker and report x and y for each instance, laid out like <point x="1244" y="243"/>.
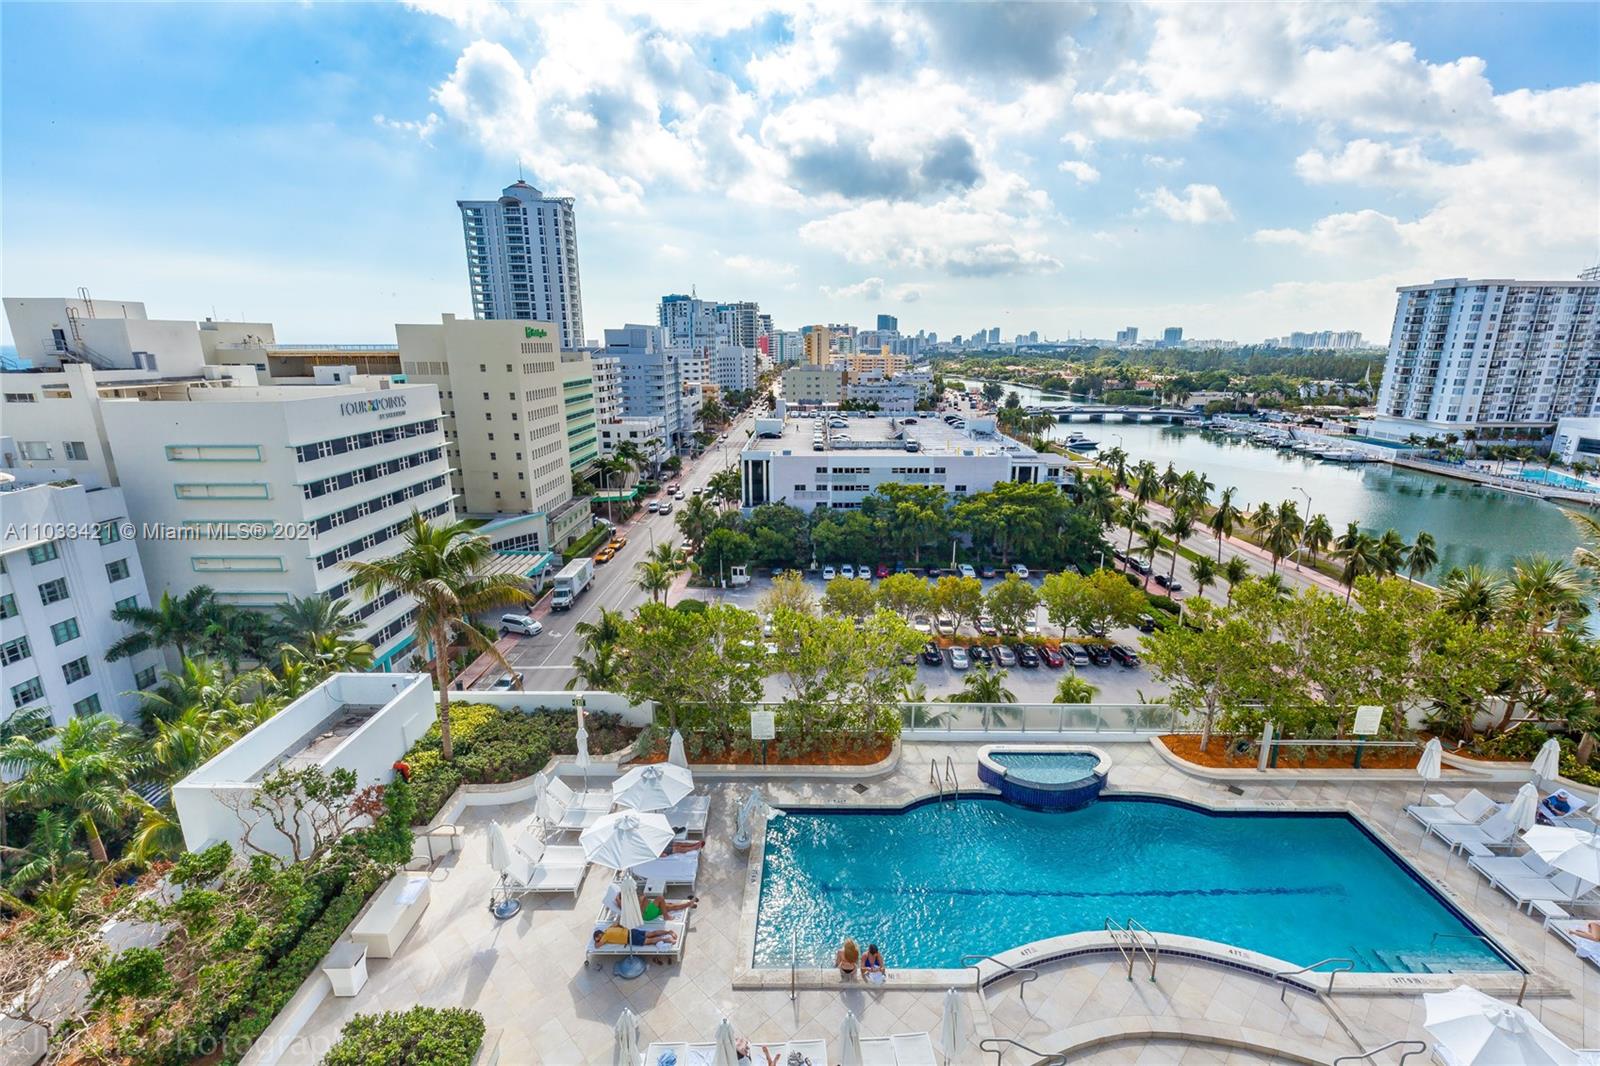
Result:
<point x="1471" y="523"/>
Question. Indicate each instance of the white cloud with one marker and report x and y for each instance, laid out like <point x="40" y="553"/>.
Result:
<point x="1085" y="173"/>
<point x="1163" y="162"/>
<point x="756" y="267"/>
<point x="865" y="289"/>
<point x="907" y="294"/>
<point x="1365" y="233"/>
<point x="422" y="130"/>
<point x="1199" y="204"/>
<point x="1369" y="163"/>
<point x="1137" y="116"/>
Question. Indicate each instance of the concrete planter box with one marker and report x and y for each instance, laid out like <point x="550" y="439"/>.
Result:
<point x="346" y="967"/>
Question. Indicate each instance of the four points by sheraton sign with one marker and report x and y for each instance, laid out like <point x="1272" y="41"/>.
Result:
<point x="380" y="403"/>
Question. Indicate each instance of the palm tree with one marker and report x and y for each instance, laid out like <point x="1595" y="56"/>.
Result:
<point x="1074" y="689"/>
<point x="84" y="767"/>
<point x="197" y="683"/>
<point x="1148" y="485"/>
<point x="1545" y="592"/>
<point x="599" y="672"/>
<point x="629" y="453"/>
<point x="603" y="631"/>
<point x="1204" y="572"/>
<point x="653" y="578"/>
<point x="1317" y="537"/>
<point x="1098" y="499"/>
<point x="1224" y="517"/>
<point x="1586" y="556"/>
<point x="1262" y="517"/>
<point x="1150" y="542"/>
<point x="1234" y="572"/>
<point x="179" y="623"/>
<point x="725" y="485"/>
<point x="696" y="521"/>
<point x="1360" y="555"/>
<point x="52" y="858"/>
<point x="1392" y="550"/>
<point x="1177" y="527"/>
<point x="1473" y="595"/>
<point x="306" y="620"/>
<point x="28" y="722"/>
<point x="325" y="656"/>
<point x="1421" y="557"/>
<point x="1132" y="516"/>
<point x="610" y="465"/>
<point x="987" y="687"/>
<point x="1282" y="532"/>
<point x="1116" y="461"/>
<point x="439" y="568"/>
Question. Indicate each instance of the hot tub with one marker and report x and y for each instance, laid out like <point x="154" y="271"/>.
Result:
<point x="1054" y="778"/>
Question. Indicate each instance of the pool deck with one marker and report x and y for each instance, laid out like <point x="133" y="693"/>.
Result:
<point x="527" y="975"/>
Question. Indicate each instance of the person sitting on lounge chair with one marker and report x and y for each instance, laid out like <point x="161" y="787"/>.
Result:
<point x="654" y="907"/>
<point x="872" y="967"/>
<point x="639" y="938"/>
<point x="1588" y="932"/>
<point x="680" y="847"/>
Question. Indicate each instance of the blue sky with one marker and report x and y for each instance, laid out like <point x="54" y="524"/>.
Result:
<point x="1241" y="171"/>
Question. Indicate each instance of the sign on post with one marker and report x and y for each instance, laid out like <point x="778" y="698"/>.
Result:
<point x="763" y="727"/>
<point x="1369" y="719"/>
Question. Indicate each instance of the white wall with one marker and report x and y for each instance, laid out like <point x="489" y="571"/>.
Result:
<point x="606" y="702"/>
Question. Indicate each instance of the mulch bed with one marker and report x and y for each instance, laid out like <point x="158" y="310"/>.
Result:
<point x="1186" y="746"/>
<point x="820" y="755"/>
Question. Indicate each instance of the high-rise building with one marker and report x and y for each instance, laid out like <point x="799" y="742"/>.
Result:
<point x="994" y="334"/>
<point x="888" y="324"/>
<point x="1172" y="336"/>
<point x="786" y="346"/>
<point x="1129" y="335"/>
<point x="818" y="342"/>
<point x="739" y="323"/>
<point x="734" y="368"/>
<point x="654" y="384"/>
<point x="522" y="259"/>
<point x="519" y="418"/>
<point x="1493" y="353"/>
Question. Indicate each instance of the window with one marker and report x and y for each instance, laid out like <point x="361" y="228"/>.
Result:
<point x="21" y="397"/>
<point x="145" y="678"/>
<point x="34" y="449"/>
<point x="53" y="591"/>
<point x="117" y="570"/>
<point x="76" y="670"/>
<point x="75" y="450"/>
<point x="65" y="631"/>
<point x="128" y="604"/>
<point x="43" y="553"/>
<point x="30" y="691"/>
<point x="111" y="532"/>
<point x="8" y="606"/>
<point x="87" y="706"/>
<point x="14" y="651"/>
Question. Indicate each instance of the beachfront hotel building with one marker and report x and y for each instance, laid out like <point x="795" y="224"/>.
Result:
<point x="1491" y="355"/>
<point x="519" y="419"/>
<point x="65" y="564"/>
<point x="522" y="260"/>
<point x="786" y="462"/>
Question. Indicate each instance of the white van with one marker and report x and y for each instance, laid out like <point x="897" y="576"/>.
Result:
<point x="522" y="624"/>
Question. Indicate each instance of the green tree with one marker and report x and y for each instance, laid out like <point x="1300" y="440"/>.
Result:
<point x="1177" y="527"/>
<point x="725" y="486"/>
<point x="905" y="594"/>
<point x="1317" y="537"/>
<point x="440" y="568"/>
<point x="1101" y="601"/>
<point x="702" y="669"/>
<point x="1205" y="574"/>
<point x="1473" y="595"/>
<point x="849" y="597"/>
<point x="85" y="766"/>
<point x="1422" y="557"/>
<point x="780" y="536"/>
<point x="178" y="623"/>
<point x="1544" y="592"/>
<point x="1235" y="571"/>
<point x="959" y="597"/>
<point x="1098" y="499"/>
<point x="722" y="550"/>
<point x="1392" y="550"/>
<point x="788" y="590"/>
<point x="1074" y="689"/>
<point x="1210" y="665"/>
<point x="987" y="688"/>
<point x="1224" y="517"/>
<point x="1359" y="552"/>
<point x="696" y="521"/>
<point x="1011" y="603"/>
<point x="306" y="621"/>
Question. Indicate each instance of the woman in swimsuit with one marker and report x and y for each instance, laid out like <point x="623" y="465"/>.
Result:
<point x="847" y="958"/>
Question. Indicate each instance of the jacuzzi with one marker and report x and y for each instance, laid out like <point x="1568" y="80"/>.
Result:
<point x="1055" y="778"/>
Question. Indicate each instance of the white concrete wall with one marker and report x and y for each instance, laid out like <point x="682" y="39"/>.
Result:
<point x="606" y="702"/>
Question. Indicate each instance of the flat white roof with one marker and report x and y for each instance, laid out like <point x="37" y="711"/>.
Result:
<point x="886" y="434"/>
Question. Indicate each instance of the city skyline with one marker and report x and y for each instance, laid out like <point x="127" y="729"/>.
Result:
<point x="1041" y="169"/>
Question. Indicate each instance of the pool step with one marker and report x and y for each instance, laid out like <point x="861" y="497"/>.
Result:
<point x="1443" y="963"/>
<point x="1393" y="963"/>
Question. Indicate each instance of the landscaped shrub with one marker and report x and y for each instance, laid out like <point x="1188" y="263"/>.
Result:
<point x="421" y="1036"/>
<point x="1162" y="603"/>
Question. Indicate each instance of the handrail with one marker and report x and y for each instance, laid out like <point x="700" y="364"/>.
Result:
<point x="950" y="776"/>
<point x="794" y="961"/>
<point x="977" y="975"/>
<point x="1048" y="1058"/>
<point x="1135" y="946"/>
<point x="933" y="777"/>
<point x="1521" y="992"/>
<point x="1153" y="951"/>
<point x="1279" y="977"/>
<point x="1416" y="1047"/>
<point x="1112" y="928"/>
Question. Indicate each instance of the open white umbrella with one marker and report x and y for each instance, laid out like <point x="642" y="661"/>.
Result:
<point x="626" y="1051"/>
<point x="1524" y="809"/>
<point x="726" y="1053"/>
<point x="653" y="787"/>
<point x="1582" y="860"/>
<point x="675" y="752"/>
<point x="1547" y="764"/>
<point x="1431" y="765"/>
<point x="1550" y="841"/>
<point x="850" y="1040"/>
<point x="626" y="838"/>
<point x="1478" y="1029"/>
<point x="953" y="1028"/>
<point x="628" y="905"/>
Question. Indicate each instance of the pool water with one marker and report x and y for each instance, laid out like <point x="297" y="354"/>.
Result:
<point x="1047" y="768"/>
<point x="1551" y="477"/>
<point x="979" y="876"/>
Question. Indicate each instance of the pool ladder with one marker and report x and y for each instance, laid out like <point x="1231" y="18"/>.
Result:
<point x="1132" y="939"/>
<point x="944" y="780"/>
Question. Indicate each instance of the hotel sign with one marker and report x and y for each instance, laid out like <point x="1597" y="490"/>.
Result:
<point x="391" y="406"/>
<point x="529" y="331"/>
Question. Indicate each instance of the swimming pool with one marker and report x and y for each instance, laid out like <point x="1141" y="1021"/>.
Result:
<point x="937" y="881"/>
<point x="1551" y="477"/>
<point x="1048" y="767"/>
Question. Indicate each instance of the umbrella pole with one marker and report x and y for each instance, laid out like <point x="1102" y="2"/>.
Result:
<point x="505" y="907"/>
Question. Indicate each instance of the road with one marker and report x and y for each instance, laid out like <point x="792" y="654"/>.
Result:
<point x="545" y="661"/>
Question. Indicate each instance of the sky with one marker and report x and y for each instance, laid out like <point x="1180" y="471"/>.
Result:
<point x="1238" y="170"/>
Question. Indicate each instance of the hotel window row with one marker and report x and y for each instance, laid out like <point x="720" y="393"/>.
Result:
<point x="322" y="449"/>
<point x="366" y="507"/>
<point x="373" y="539"/>
<point x="369" y="473"/>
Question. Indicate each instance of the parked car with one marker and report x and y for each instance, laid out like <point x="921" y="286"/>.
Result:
<point x="522" y="624"/>
<point x="679" y="495"/>
<point x="986" y="571"/>
<point x="1027" y="656"/>
<point x="605" y="555"/>
<point x="979" y="653"/>
<point x="1032" y="625"/>
<point x="1004" y="656"/>
<point x="829" y="573"/>
<point x="666" y="506"/>
<point x="883" y="571"/>
<point x="655" y="505"/>
<point x="1147" y="623"/>
<point x="921" y="624"/>
<point x="1052" y="658"/>
<point x="1076" y="654"/>
<point x="1126" y="656"/>
<point x="864" y="572"/>
<point x="958" y="658"/>
<point x="985" y="625"/>
<point x="1175" y="586"/>
<point x="1163" y="580"/>
<point x="847" y="570"/>
<point x="1141" y="566"/>
<point x="967" y="570"/>
<point x="1098" y="654"/>
<point x="1020" y="570"/>
<point x="504" y="684"/>
<point x="1095" y="629"/>
<point x="932" y="655"/>
<point x="946" y="624"/>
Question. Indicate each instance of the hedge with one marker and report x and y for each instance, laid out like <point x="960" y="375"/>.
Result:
<point x="421" y="1036"/>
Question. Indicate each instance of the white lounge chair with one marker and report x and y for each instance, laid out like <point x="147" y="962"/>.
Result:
<point x="1470" y="809"/>
<point x="560" y="869"/>
<point x="1564" y="928"/>
<point x="814" y="1051"/>
<point x="673" y="950"/>
<point x="678" y="869"/>
<point x="690" y="815"/>
<point x="611" y="901"/>
<point x="902" y="1049"/>
<point x="1528" y="864"/>
<point x="559" y="818"/>
<point x="1498" y="830"/>
<point x="593" y="800"/>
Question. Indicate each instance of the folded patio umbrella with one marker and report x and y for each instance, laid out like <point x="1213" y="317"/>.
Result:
<point x="628" y="905"/>
<point x="626" y="1051"/>
<point x="1547" y="764"/>
<point x="726" y="1054"/>
<point x="1479" y="1030"/>
<point x="850" y="1040"/>
<point x="675" y="752"/>
<point x="654" y="787"/>
<point x="1524" y="810"/>
<point x="953" y="1028"/>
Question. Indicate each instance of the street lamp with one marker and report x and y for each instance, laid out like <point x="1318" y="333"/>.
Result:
<point x="1307" y="495"/>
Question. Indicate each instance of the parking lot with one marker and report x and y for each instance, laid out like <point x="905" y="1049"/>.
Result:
<point x="1116" y="684"/>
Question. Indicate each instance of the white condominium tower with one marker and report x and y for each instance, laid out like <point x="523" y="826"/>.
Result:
<point x="522" y="259"/>
<point x="1496" y="354"/>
